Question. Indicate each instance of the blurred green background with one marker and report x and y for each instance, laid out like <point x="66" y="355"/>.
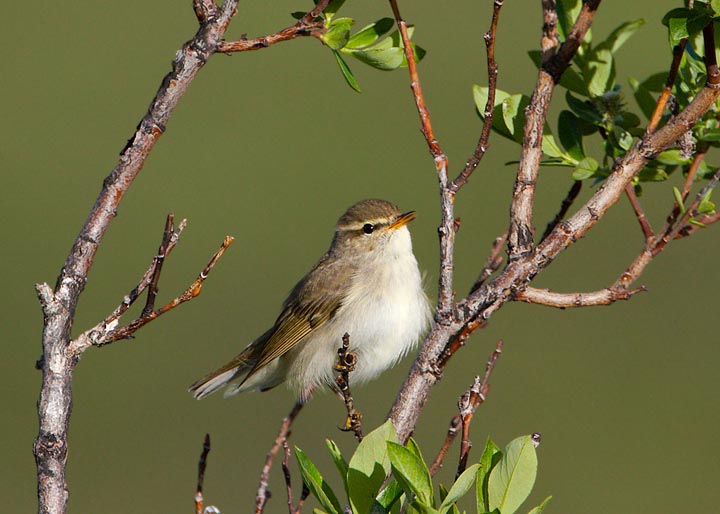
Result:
<point x="271" y="147"/>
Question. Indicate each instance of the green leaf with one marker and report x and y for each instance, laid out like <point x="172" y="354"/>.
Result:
<point x="316" y="484"/>
<point x="672" y="157"/>
<point x="422" y="508"/>
<point x="331" y="8"/>
<point x="570" y="135"/>
<point x="710" y="135"/>
<point x="599" y="71"/>
<point x="490" y="457"/>
<point x="512" y="479"/>
<point x="583" y="109"/>
<point x="715" y="5"/>
<point x="568" y="11"/>
<point x="705" y="171"/>
<point x="369" y="466"/>
<point x="706" y="206"/>
<point x="460" y="488"/>
<point x="570" y="78"/>
<point x="480" y="97"/>
<point x="513" y="114"/>
<point x="585" y="169"/>
<point x="620" y="35"/>
<point x="385" y="59"/>
<point x="551" y="148"/>
<point x="541" y="507"/>
<point x="347" y="73"/>
<point x="338" y="33"/>
<point x="339" y="460"/>
<point x="644" y="99"/>
<point x="370" y="34"/>
<point x="388" y="496"/>
<point x="652" y="174"/>
<point x="411" y="472"/>
<point x="683" y="22"/>
<point x="679" y="199"/>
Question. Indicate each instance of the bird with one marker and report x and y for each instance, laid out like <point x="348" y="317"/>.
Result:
<point x="367" y="285"/>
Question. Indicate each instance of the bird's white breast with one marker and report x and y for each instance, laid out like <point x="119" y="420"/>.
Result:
<point x="385" y="313"/>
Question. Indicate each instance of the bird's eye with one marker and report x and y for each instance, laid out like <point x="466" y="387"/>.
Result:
<point x="368" y="228"/>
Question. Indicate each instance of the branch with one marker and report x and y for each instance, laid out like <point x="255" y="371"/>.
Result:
<point x="345" y="365"/>
<point x="564" y="208"/>
<point x="492" y="68"/>
<point x="308" y="25"/>
<point x="564" y="300"/>
<point x="55" y="403"/>
<point x="639" y="212"/>
<point x="106" y="331"/>
<point x="202" y="464"/>
<point x="480" y="305"/>
<point x="446" y="231"/>
<point x="263" y="494"/>
<point x="493" y="262"/>
<point x="468" y="404"/>
<point x="553" y="64"/>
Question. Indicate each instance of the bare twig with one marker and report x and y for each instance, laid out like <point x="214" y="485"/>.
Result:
<point x="468" y="404"/>
<point x="263" y="494"/>
<point x="106" y="332"/>
<point x="55" y="403"/>
<point x="345" y="365"/>
<point x="286" y="475"/>
<point x="452" y="433"/>
<point x="202" y="464"/>
<point x="567" y="202"/>
<point x="308" y="25"/>
<point x="493" y="262"/>
<point x="303" y="496"/>
<point x="475" y="397"/>
<point x="492" y="68"/>
<point x="158" y="261"/>
<point x="446" y="231"/>
<point x="639" y="212"/>
<point x="564" y="300"/>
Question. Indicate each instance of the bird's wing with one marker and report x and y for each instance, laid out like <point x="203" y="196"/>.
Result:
<point x="299" y="319"/>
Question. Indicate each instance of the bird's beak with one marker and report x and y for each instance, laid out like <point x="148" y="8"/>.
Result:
<point x="402" y="220"/>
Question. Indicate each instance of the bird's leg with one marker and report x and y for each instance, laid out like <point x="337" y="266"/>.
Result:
<point x="345" y="365"/>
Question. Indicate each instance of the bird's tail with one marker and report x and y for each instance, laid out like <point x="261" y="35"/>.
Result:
<point x="218" y="378"/>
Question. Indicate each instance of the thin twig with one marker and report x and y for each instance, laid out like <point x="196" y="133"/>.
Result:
<point x="286" y="475"/>
<point x="263" y="494"/>
<point x="687" y="185"/>
<point x="493" y="262"/>
<point x="639" y="212"/>
<point x="492" y="68"/>
<point x="345" y="365"/>
<point x="105" y="333"/>
<point x="303" y="496"/>
<point x="446" y="231"/>
<point x="476" y="396"/>
<point x="566" y="300"/>
<point x="468" y="404"/>
<point x="168" y="234"/>
<point x="567" y="202"/>
<point x="202" y="464"/>
<point x="308" y="25"/>
<point x="452" y="433"/>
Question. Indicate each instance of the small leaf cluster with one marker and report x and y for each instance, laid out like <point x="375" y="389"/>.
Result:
<point x="597" y="107"/>
<point x="384" y="477"/>
<point x="366" y="45"/>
